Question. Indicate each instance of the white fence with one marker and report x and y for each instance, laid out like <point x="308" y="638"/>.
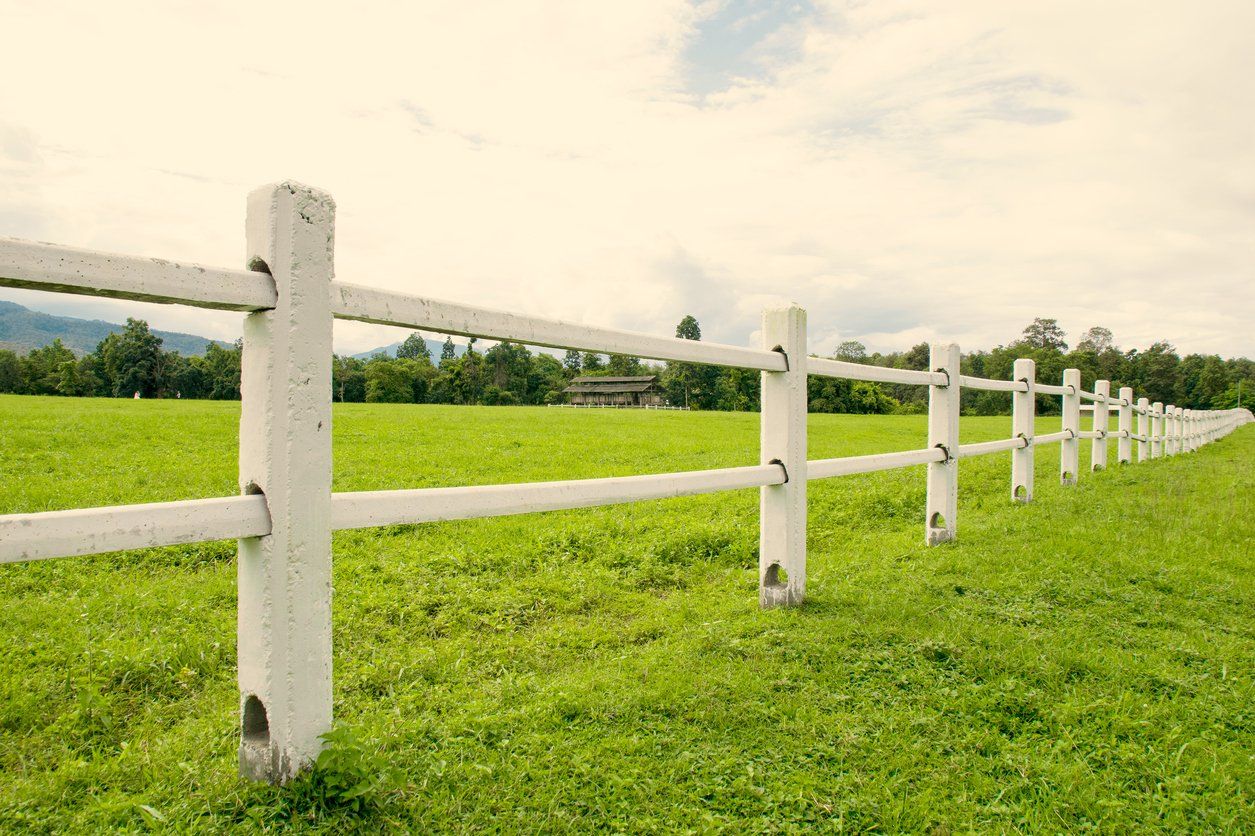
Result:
<point x="286" y="511"/>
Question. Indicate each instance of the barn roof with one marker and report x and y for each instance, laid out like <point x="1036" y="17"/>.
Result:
<point x="599" y="379"/>
<point x="612" y="388"/>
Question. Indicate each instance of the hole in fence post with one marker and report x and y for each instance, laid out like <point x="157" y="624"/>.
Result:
<point x="256" y="724"/>
<point x="1021" y="492"/>
<point x="937" y="521"/>
<point x="776" y="576"/>
<point x="1067" y="477"/>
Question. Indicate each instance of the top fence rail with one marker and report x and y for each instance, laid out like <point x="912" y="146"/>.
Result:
<point x="58" y="269"/>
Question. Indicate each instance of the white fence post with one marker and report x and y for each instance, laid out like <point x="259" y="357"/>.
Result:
<point x="943" y="431"/>
<point x="1124" y="423"/>
<point x="1102" y="422"/>
<point x="1156" y="430"/>
<point x="782" y="508"/>
<point x="1023" y="419"/>
<point x="1170" y="430"/>
<point x="284" y="613"/>
<point x="1143" y="429"/>
<point x="1070" y="448"/>
<point x="1182" y="435"/>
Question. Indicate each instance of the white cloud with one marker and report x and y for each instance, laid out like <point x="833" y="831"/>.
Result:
<point x="903" y="170"/>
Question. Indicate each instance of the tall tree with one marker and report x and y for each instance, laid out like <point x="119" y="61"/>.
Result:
<point x="688" y="329"/>
<point x="133" y="361"/>
<point x="10" y="372"/>
<point x="1096" y="339"/>
<point x="852" y="351"/>
<point x="1045" y="333"/>
<point x="414" y="348"/>
<point x="447" y="351"/>
<point x="571" y="360"/>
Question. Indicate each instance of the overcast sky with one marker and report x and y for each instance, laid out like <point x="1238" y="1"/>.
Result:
<point x="906" y="171"/>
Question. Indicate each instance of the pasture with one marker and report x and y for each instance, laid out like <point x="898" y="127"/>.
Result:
<point x="1086" y="661"/>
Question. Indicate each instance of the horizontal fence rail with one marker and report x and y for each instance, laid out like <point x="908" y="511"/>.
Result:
<point x="57" y="269"/>
<point x="366" y="509"/>
<point x="96" y="530"/>
<point x="286" y="512"/>
<point x="850" y="465"/>
<point x="878" y="374"/>
<point x="984" y="448"/>
<point x="992" y="385"/>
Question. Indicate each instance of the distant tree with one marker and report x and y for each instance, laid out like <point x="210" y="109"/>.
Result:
<point x="133" y="360"/>
<point x="621" y="365"/>
<point x="592" y="362"/>
<point x="69" y="381"/>
<point x="852" y="351"/>
<point x="190" y="377"/>
<point x="916" y="358"/>
<point x="1046" y="334"/>
<point x="447" y="352"/>
<point x="414" y="348"/>
<point x="688" y="329"/>
<point x="223" y="367"/>
<point x="507" y="366"/>
<point x="1212" y="383"/>
<point x="571" y="360"/>
<point x="681" y="380"/>
<point x="42" y="368"/>
<point x="1158" y="368"/>
<point x="547" y="377"/>
<point x="1096" y="339"/>
<point x="11" y="379"/>
<point x="390" y="381"/>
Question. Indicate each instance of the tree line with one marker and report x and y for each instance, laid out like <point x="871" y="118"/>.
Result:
<point x="132" y="361"/>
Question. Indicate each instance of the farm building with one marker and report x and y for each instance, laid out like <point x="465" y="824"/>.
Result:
<point x="640" y="390"/>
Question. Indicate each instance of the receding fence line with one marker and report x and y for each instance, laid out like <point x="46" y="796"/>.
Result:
<point x="286" y="512"/>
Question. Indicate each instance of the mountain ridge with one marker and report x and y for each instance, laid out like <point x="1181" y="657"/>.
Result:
<point x="23" y="329"/>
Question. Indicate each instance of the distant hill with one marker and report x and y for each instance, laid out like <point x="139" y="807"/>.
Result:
<point x="434" y="346"/>
<point x="22" y="329"/>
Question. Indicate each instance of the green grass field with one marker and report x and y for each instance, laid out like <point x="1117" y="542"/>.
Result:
<point x="1083" y="663"/>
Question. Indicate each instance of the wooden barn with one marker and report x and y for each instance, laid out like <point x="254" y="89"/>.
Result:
<point x="640" y="390"/>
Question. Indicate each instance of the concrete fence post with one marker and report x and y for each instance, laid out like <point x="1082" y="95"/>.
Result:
<point x="284" y="612"/>
<point x="1143" y="429"/>
<point x="782" y="429"/>
<point x="1169" y="431"/>
<point x="942" y="507"/>
<point x="1156" y="430"/>
<point x="1023" y="419"/>
<point x="1102" y="423"/>
<point x="1124" y="423"/>
<point x="1070" y="448"/>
